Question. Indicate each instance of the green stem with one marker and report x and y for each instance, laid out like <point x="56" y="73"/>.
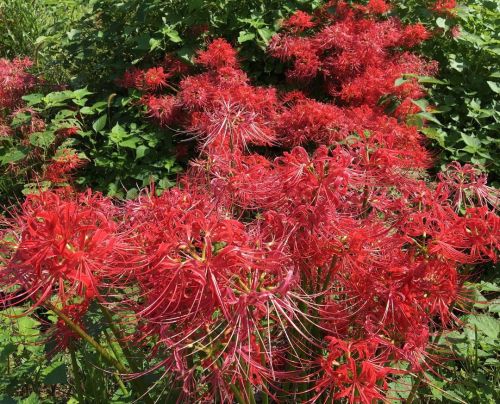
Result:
<point x="237" y="395"/>
<point x="120" y="384"/>
<point x="120" y="339"/>
<point x="76" y="373"/>
<point x="86" y="337"/>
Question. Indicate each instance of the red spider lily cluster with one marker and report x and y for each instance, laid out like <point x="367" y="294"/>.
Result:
<point x="14" y="81"/>
<point x="306" y="246"/>
<point x="445" y="7"/>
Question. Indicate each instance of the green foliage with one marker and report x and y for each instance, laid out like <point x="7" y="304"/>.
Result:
<point x="112" y="35"/>
<point x="121" y="150"/>
<point x="127" y="152"/>
<point x="23" y="158"/>
<point x="28" y="375"/>
<point x="26" y="26"/>
<point x="471" y="375"/>
<point x="467" y="99"/>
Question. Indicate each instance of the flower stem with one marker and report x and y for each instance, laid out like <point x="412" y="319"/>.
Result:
<point x="86" y="337"/>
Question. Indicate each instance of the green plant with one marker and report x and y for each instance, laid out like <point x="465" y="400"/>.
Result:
<point x="471" y="373"/>
<point x="26" y="26"/>
<point x="466" y="44"/>
<point x="112" y="35"/>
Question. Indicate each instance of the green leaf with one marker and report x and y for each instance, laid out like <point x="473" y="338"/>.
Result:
<point x="435" y="134"/>
<point x="87" y="111"/>
<point x="429" y="117"/>
<point x="265" y="34"/>
<point x="422" y="104"/>
<point x="430" y="80"/>
<point x="100" y="123"/>
<point x="57" y="374"/>
<point x="7" y="350"/>
<point x="494" y="86"/>
<point x="154" y="44"/>
<point x="471" y="141"/>
<point x="57" y="99"/>
<point x="485" y="324"/>
<point x="173" y="35"/>
<point x="441" y="23"/>
<point x="132" y="193"/>
<point x="245" y="36"/>
<point x="118" y="133"/>
<point x="42" y="139"/>
<point x="13" y="155"/>
<point x="140" y="152"/>
<point x="131" y="143"/>
<point x="33" y="99"/>
<point x="32" y="399"/>
<point x="80" y="93"/>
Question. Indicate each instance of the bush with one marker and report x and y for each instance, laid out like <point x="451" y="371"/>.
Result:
<point x="112" y="35"/>
<point x="28" y="25"/>
<point x="466" y="44"/>
<point x="305" y="254"/>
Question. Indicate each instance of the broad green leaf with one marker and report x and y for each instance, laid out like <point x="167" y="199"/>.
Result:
<point x="130" y="143"/>
<point x="173" y="35"/>
<point x="140" y="152"/>
<point x="100" y="123"/>
<point x="7" y="350"/>
<point x="441" y="23"/>
<point x="118" y="133"/>
<point x="80" y="93"/>
<point x="245" y="36"/>
<point x="87" y="111"/>
<point x="494" y="86"/>
<point x="132" y="193"/>
<point x="42" y="139"/>
<point x="422" y="104"/>
<point x="33" y="99"/>
<point x="13" y="155"/>
<point x="471" y="141"/>
<point x="435" y="134"/>
<point x="56" y="374"/>
<point x="486" y="325"/>
<point x="265" y="34"/>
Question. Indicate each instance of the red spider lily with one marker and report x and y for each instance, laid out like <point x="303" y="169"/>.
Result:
<point x="15" y="81"/>
<point x="445" y="7"/>
<point x="298" y="22"/>
<point x="60" y="334"/>
<point x="61" y="166"/>
<point x="468" y="186"/>
<point x="149" y="80"/>
<point x="219" y="53"/>
<point x="164" y="109"/>
<point x="354" y="371"/>
<point x="64" y="246"/>
<point x="354" y="55"/>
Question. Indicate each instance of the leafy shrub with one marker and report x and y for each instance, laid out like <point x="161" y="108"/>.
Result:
<point x="305" y="254"/>
<point x="26" y="26"/>
<point x="112" y="35"/>
<point x="36" y="131"/>
<point x="466" y="44"/>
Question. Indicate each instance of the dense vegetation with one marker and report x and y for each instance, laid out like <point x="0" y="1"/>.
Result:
<point x="248" y="201"/>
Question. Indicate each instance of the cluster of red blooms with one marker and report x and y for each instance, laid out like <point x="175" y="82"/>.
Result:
<point x="445" y="7"/>
<point x="306" y="245"/>
<point x="357" y="60"/>
<point x="14" y="81"/>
